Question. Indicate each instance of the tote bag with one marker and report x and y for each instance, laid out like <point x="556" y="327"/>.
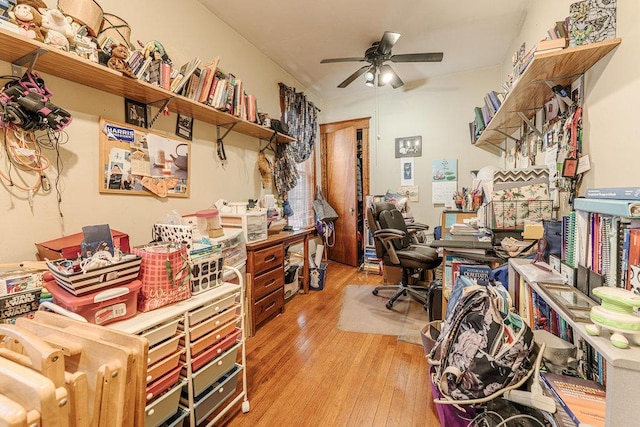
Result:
<point x="164" y="273"/>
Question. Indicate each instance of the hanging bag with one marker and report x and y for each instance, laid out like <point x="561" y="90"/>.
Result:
<point x="164" y="273"/>
<point x="324" y="211"/>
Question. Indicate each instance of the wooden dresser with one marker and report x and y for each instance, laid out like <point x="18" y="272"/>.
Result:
<point x="265" y="275"/>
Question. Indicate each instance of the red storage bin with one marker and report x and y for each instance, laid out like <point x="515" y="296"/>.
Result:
<point x="102" y="307"/>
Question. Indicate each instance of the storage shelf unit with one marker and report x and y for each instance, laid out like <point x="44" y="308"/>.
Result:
<point x="189" y="319"/>
<point x="623" y="365"/>
<point x="50" y="60"/>
<point x="530" y="91"/>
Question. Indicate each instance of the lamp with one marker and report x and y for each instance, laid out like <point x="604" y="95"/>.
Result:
<point x="386" y="75"/>
<point x="369" y="76"/>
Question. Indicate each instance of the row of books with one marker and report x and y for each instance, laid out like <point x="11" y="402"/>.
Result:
<point x="455" y="265"/>
<point x="538" y="314"/>
<point x="203" y="82"/>
<point x="605" y="243"/>
<point x="484" y="114"/>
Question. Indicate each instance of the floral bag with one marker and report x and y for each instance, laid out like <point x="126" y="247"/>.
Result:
<point x="164" y="273"/>
<point x="480" y="350"/>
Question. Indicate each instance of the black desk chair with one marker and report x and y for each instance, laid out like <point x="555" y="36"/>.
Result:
<point x="397" y="245"/>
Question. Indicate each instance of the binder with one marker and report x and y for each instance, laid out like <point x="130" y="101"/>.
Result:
<point x="624" y="208"/>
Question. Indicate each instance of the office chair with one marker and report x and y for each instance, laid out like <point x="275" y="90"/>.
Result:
<point x="397" y="245"/>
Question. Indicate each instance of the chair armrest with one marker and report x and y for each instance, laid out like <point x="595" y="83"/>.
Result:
<point x="415" y="227"/>
<point x="386" y="237"/>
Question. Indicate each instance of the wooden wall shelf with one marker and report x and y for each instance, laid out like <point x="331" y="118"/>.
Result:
<point x="78" y="70"/>
<point x="530" y="92"/>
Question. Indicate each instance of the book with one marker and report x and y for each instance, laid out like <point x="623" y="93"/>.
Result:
<point x="617" y="193"/>
<point x="210" y="68"/>
<point x="165" y="75"/>
<point x="583" y="400"/>
<point x="478" y="272"/>
<point x="185" y="72"/>
<point x="546" y="45"/>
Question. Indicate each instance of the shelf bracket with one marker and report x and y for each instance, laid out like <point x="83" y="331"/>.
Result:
<point x="507" y="135"/>
<point x="222" y="155"/>
<point x="165" y="102"/>
<point x="530" y="124"/>
<point x="30" y="58"/>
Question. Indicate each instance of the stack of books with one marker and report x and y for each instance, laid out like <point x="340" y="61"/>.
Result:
<point x="371" y="263"/>
<point x="578" y="401"/>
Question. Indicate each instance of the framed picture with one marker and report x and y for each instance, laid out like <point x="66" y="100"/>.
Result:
<point x="410" y="146"/>
<point x="576" y="304"/>
<point x="184" y="127"/>
<point x="135" y="113"/>
<point x="555" y="263"/>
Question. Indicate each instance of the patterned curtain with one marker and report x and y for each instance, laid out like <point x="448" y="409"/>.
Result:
<point x="302" y="118"/>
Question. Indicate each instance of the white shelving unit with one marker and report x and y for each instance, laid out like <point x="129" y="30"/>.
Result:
<point x="623" y="365"/>
<point x="186" y="314"/>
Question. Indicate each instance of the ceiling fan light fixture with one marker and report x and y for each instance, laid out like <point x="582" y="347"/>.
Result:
<point x="369" y="83"/>
<point x="386" y="74"/>
<point x="370" y="75"/>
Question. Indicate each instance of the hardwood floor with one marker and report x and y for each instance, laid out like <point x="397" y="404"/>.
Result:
<point x="303" y="371"/>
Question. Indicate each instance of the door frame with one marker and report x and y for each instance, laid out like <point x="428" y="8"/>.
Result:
<point x="359" y="124"/>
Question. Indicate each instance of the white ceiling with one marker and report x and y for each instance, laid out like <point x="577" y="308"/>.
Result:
<point x="297" y="34"/>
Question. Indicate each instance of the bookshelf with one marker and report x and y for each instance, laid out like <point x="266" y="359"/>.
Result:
<point x="70" y="67"/>
<point x="529" y="93"/>
<point x="623" y="365"/>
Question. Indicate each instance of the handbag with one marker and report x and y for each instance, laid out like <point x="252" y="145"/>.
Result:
<point x="164" y="273"/>
<point x="324" y="211"/>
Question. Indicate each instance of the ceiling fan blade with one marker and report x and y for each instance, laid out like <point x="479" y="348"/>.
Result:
<point x="418" y="57"/>
<point x="330" y="60"/>
<point x="353" y="76"/>
<point x="387" y="41"/>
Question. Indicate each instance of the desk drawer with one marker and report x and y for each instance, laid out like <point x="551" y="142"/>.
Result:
<point x="267" y="259"/>
<point x="266" y="283"/>
<point x="268" y="306"/>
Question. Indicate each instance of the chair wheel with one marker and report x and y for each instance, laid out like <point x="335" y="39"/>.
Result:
<point x="389" y="305"/>
<point x="375" y="292"/>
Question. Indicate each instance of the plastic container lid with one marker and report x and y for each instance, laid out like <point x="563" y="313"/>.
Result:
<point x="207" y="213"/>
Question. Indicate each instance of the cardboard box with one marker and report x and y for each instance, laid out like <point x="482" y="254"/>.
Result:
<point x="69" y="246"/>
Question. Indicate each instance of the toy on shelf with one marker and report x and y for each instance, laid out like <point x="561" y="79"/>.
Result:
<point x="616" y="314"/>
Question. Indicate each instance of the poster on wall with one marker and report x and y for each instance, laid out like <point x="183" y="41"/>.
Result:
<point x="444" y="176"/>
<point x="135" y="160"/>
<point x="406" y="172"/>
<point x="412" y="192"/>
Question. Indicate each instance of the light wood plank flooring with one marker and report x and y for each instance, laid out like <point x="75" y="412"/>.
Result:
<point x="303" y="371"/>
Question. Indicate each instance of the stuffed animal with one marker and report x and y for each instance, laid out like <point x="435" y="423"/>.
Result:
<point x="118" y="60"/>
<point x="54" y="19"/>
<point x="34" y="3"/>
<point x="29" y="20"/>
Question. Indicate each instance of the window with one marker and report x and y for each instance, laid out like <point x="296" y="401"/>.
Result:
<point x="302" y="195"/>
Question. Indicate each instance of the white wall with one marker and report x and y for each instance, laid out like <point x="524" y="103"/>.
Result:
<point x="185" y="31"/>
<point x="440" y="112"/>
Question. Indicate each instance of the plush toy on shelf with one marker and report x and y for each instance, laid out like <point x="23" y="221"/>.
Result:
<point x="29" y="20"/>
<point x="616" y="314"/>
<point x="118" y="60"/>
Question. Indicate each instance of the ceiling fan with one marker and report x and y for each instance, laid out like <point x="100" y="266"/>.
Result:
<point x="377" y="55"/>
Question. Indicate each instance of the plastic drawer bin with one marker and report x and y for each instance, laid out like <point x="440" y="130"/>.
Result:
<point x="214" y="396"/>
<point x="214" y="370"/>
<point x="162" y="408"/>
<point x="176" y="419"/>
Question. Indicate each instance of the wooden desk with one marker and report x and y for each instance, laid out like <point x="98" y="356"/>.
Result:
<point x="265" y="275"/>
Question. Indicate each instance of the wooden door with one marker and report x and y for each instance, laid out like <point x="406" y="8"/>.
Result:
<point x="341" y="181"/>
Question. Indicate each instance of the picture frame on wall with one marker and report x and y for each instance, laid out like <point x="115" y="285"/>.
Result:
<point x="135" y="113"/>
<point x="184" y="127"/>
<point x="410" y="146"/>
